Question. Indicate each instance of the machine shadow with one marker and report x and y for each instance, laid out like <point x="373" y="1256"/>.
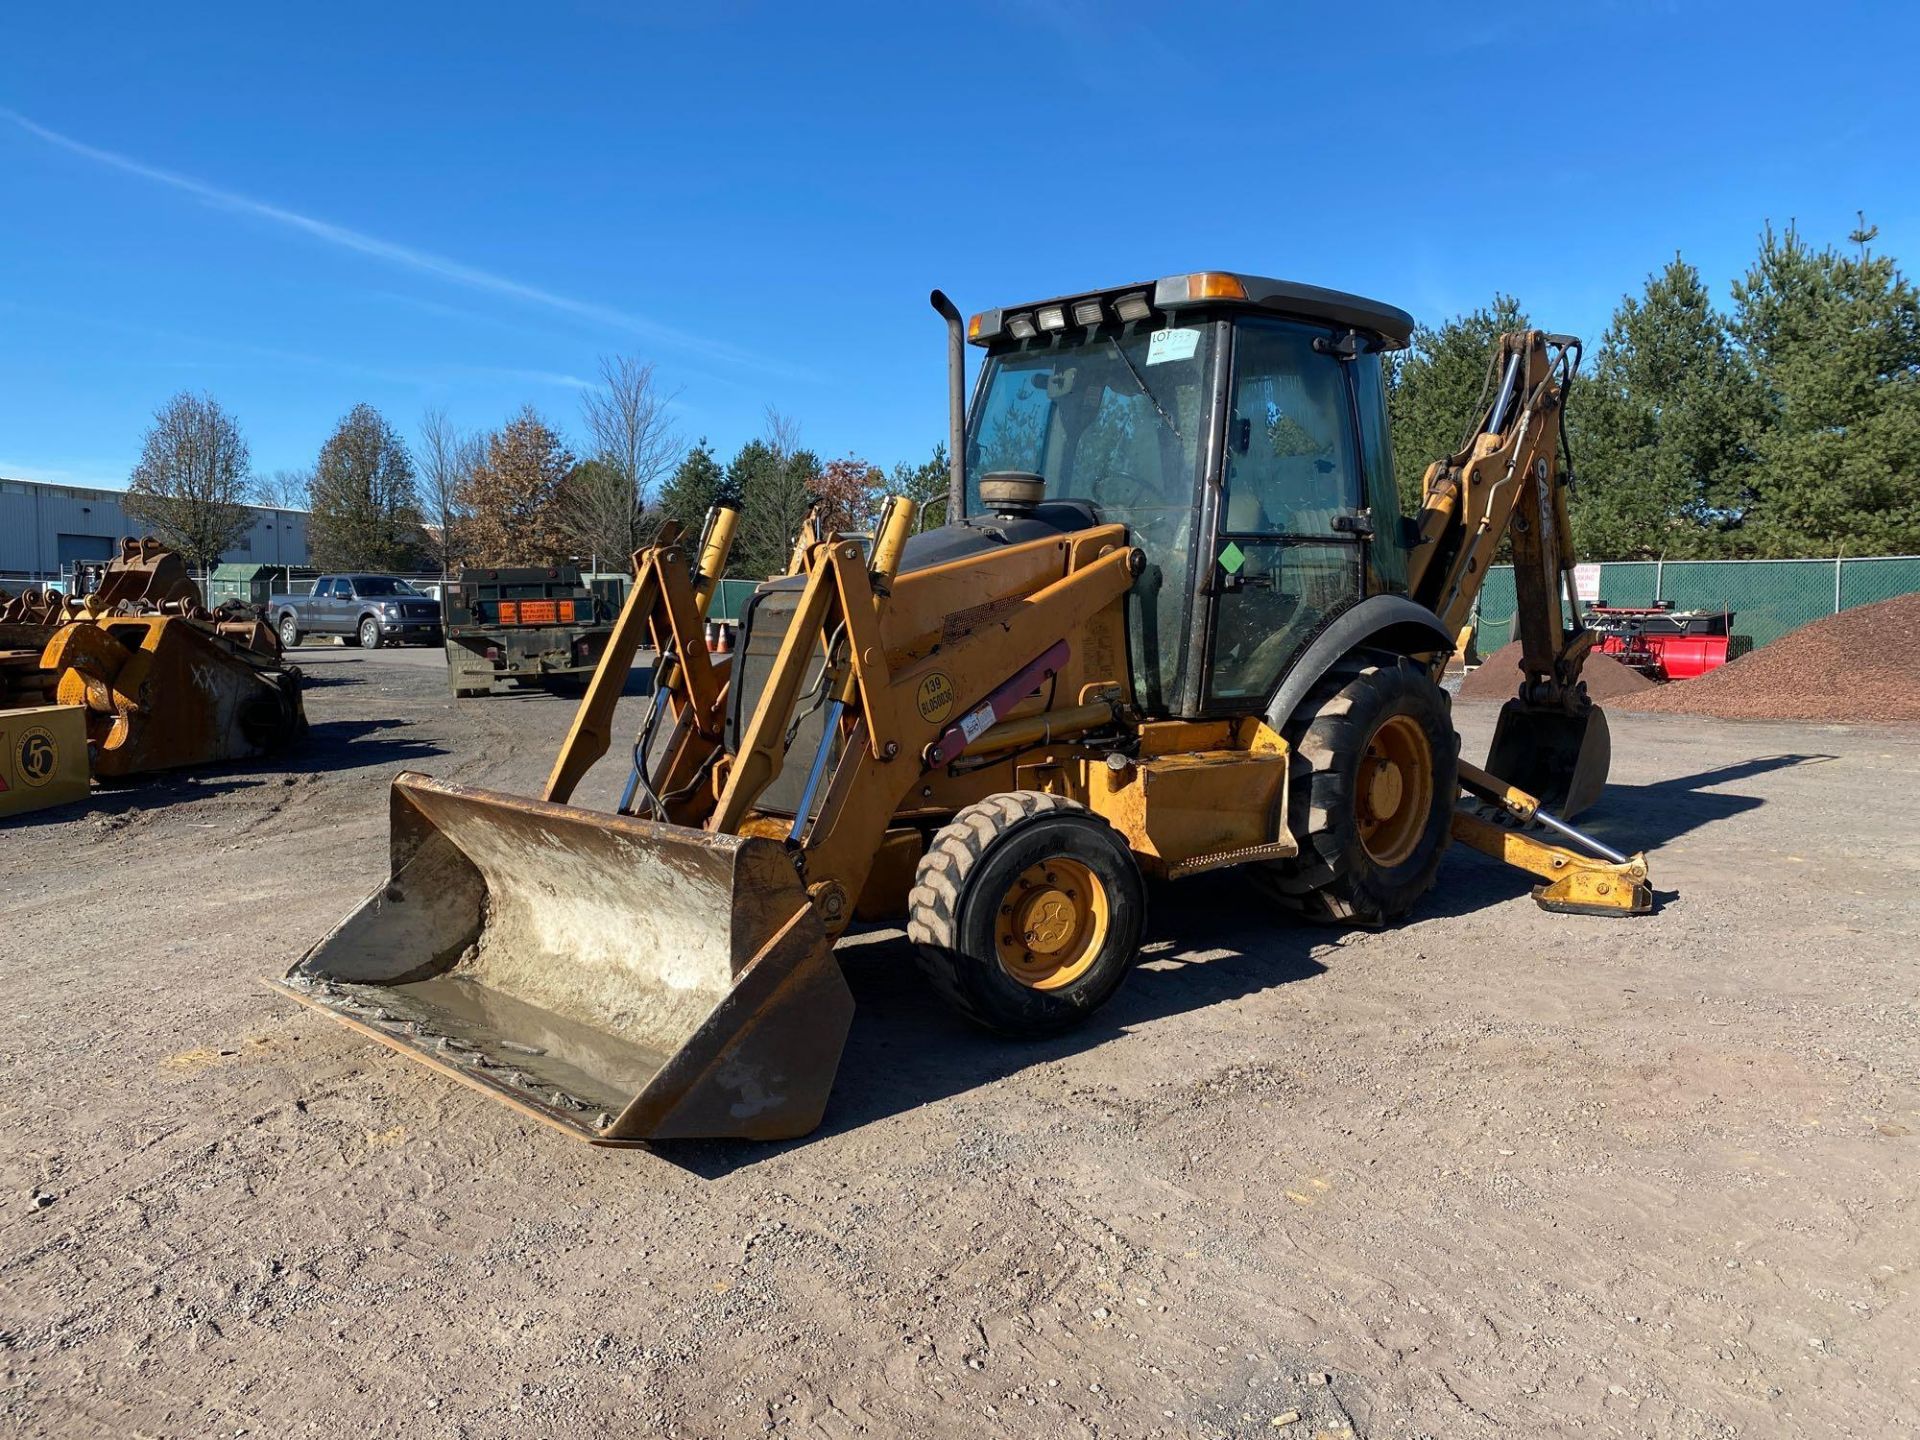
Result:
<point x="906" y="1049"/>
<point x="331" y="677"/>
<point x="333" y="745"/>
<point x="330" y="746"/>
<point x="1629" y="818"/>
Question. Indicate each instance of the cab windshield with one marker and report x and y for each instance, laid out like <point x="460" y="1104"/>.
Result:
<point x="1116" y="417"/>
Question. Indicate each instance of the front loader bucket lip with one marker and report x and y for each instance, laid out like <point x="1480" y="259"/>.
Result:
<point x="677" y="984"/>
<point x="527" y="1103"/>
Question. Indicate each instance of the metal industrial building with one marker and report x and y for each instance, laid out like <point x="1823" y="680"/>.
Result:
<point x="44" y="529"/>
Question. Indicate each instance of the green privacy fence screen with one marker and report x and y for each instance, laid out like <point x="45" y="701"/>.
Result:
<point x="730" y="598"/>
<point x="1768" y="597"/>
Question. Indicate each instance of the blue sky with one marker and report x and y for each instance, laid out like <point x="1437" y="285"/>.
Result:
<point x="301" y="208"/>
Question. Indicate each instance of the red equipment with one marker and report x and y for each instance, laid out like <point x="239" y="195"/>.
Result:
<point x="1663" y="643"/>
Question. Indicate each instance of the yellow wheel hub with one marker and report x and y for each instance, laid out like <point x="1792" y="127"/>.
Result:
<point x="1393" y="793"/>
<point x="1052" y="923"/>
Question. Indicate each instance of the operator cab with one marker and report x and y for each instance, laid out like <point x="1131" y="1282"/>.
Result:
<point x="1237" y="426"/>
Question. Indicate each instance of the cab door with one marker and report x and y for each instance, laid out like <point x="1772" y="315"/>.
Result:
<point x="339" y="597"/>
<point x="1288" y="543"/>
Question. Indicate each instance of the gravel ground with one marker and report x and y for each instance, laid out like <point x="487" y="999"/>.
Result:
<point x="1494" y="1173"/>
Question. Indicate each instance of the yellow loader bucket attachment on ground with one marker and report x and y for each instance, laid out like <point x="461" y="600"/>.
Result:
<point x="163" y="691"/>
<point x="1561" y="758"/>
<point x="622" y="979"/>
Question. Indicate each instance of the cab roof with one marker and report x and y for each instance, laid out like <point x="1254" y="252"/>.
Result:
<point x="1389" y="325"/>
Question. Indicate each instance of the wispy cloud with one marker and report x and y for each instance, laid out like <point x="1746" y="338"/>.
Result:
<point x="404" y="256"/>
<point x="557" y="378"/>
<point x="432" y="376"/>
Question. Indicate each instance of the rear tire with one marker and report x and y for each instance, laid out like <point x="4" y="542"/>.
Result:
<point x="1370" y="794"/>
<point x="1026" y="913"/>
<point x="290" y="635"/>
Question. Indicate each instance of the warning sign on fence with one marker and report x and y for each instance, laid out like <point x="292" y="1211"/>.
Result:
<point x="1586" y="583"/>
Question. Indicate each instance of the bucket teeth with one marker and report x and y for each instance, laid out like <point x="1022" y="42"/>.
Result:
<point x="623" y="979"/>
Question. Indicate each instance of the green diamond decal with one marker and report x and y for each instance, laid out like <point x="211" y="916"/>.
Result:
<point x="1232" y="558"/>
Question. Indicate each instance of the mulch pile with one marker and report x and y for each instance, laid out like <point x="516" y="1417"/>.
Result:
<point x="1860" y="666"/>
<point x="1499" y="677"/>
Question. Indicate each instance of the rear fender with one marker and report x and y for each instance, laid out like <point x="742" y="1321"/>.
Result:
<point x="1380" y="622"/>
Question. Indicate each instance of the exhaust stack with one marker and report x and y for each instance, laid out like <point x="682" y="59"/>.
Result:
<point x="956" y="405"/>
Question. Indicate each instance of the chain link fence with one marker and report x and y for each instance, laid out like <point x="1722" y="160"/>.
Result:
<point x="1767" y="597"/>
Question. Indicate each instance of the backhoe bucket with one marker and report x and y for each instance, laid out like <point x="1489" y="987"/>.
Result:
<point x="1560" y="759"/>
<point x="622" y="979"/>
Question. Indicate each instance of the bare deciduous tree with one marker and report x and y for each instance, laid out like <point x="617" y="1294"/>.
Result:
<point x="448" y="459"/>
<point x="632" y="448"/>
<point x="194" y="480"/>
<point x="285" y="490"/>
<point x="774" y="478"/>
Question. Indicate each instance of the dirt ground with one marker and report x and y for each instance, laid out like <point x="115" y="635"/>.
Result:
<point x="1494" y="1173"/>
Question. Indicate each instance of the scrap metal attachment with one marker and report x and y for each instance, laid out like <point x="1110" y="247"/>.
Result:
<point x="1560" y="756"/>
<point x="162" y="691"/>
<point x="622" y="979"/>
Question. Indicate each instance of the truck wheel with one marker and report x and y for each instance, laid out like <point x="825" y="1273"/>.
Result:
<point x="1370" y="793"/>
<point x="289" y="632"/>
<point x="1026" y="913"/>
<point x="369" y="635"/>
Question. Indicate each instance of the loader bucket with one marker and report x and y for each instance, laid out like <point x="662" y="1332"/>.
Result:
<point x="622" y="979"/>
<point x="1560" y="759"/>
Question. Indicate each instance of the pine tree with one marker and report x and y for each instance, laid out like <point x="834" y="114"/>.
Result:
<point x="366" y="514"/>
<point x="513" y="496"/>
<point x="1834" y="339"/>
<point x="1660" y="426"/>
<point x="1434" y="386"/>
<point x="692" y="489"/>
<point x="926" y="484"/>
<point x="775" y="486"/>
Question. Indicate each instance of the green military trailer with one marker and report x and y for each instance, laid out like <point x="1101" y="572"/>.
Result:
<point x="528" y="625"/>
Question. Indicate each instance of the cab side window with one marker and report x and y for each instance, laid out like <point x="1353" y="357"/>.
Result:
<point x="1388" y="548"/>
<point x="1291" y="464"/>
<point x="1292" y="467"/>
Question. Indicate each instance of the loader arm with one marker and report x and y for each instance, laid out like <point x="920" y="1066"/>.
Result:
<point x="666" y="607"/>
<point x="888" y="739"/>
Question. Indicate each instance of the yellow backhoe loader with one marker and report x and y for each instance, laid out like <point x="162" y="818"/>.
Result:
<point x="1176" y="622"/>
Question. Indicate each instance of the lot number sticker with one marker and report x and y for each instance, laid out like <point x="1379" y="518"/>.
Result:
<point x="935" y="698"/>
<point x="1168" y="345"/>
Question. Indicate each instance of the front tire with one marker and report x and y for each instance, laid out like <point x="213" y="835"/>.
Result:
<point x="369" y="636"/>
<point x="1026" y="913"/>
<point x="1370" y="795"/>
